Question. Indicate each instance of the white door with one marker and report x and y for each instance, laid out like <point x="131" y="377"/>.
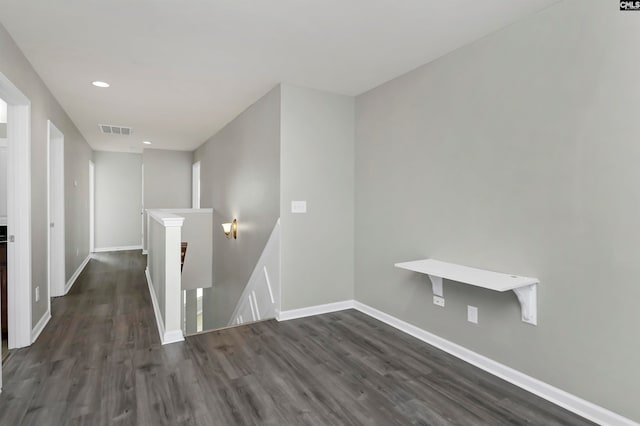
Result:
<point x="18" y="213"/>
<point x="56" y="212"/>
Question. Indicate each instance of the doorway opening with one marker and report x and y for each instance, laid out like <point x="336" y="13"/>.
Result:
<point x="55" y="197"/>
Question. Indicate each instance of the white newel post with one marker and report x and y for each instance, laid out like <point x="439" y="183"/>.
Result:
<point x="163" y="273"/>
<point x="173" y="285"/>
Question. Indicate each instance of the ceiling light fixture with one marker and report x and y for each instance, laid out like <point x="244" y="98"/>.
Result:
<point x="146" y="142"/>
<point x="100" y="84"/>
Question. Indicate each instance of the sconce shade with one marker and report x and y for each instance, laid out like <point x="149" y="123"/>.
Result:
<point x="230" y="229"/>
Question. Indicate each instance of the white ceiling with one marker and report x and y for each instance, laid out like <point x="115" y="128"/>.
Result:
<point x="181" y="70"/>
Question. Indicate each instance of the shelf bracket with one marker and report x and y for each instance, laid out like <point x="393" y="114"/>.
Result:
<point x="528" y="298"/>
<point x="436" y="284"/>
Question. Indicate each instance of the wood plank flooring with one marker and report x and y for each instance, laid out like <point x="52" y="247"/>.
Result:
<point x="100" y="362"/>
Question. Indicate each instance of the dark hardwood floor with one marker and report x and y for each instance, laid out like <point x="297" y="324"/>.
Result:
<point x="100" y="362"/>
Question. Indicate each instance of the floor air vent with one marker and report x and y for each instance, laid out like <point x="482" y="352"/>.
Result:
<point x="108" y="129"/>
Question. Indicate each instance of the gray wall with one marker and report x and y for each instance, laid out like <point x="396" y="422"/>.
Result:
<point x="317" y="157"/>
<point x="240" y="178"/>
<point x="167" y="179"/>
<point x="197" y="231"/>
<point x="118" y="199"/>
<point x="519" y="154"/>
<point x="77" y="154"/>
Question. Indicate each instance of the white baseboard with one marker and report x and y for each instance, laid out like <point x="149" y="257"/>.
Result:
<point x="166" y="337"/>
<point x="173" y="337"/>
<point x="537" y="387"/>
<point x="315" y="310"/>
<point x="35" y="333"/>
<point x="544" y="390"/>
<point x="119" y="248"/>
<point x="76" y="274"/>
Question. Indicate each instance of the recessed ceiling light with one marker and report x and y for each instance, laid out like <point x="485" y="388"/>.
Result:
<point x="146" y="142"/>
<point x="100" y="84"/>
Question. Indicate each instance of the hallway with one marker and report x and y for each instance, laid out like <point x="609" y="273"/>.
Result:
<point x="100" y="362"/>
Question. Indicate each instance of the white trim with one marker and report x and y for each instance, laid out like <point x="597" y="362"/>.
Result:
<point x="173" y="336"/>
<point x="154" y="302"/>
<point x="315" y="310"/>
<point x="19" y="213"/>
<point x="92" y="206"/>
<point x="49" y="296"/>
<point x="552" y="394"/>
<point x="55" y="255"/>
<point x="76" y="274"/>
<point x="166" y="337"/>
<point x="147" y="237"/>
<point x="195" y="185"/>
<point x="279" y="295"/>
<point x="165" y="218"/>
<point x="35" y="333"/>
<point x="119" y="248"/>
<point x="172" y="283"/>
<point x="143" y="237"/>
<point x="205" y="210"/>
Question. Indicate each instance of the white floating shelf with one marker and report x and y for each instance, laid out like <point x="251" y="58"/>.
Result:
<point x="525" y="288"/>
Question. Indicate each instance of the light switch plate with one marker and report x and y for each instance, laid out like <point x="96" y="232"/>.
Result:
<point x="472" y="314"/>
<point x="298" y="207"/>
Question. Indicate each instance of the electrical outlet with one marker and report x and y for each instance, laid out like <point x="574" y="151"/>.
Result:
<point x="472" y="314"/>
<point x="37" y="294"/>
<point x="298" y="207"/>
<point x="437" y="300"/>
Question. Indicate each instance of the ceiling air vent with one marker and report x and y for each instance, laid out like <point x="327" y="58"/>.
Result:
<point x="108" y="129"/>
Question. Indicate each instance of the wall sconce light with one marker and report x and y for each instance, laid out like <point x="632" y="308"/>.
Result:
<point x="231" y="229"/>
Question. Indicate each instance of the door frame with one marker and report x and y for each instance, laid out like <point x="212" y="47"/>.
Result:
<point x="143" y="233"/>
<point x="92" y="206"/>
<point x="18" y="213"/>
<point x="55" y="163"/>
<point x="195" y="185"/>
